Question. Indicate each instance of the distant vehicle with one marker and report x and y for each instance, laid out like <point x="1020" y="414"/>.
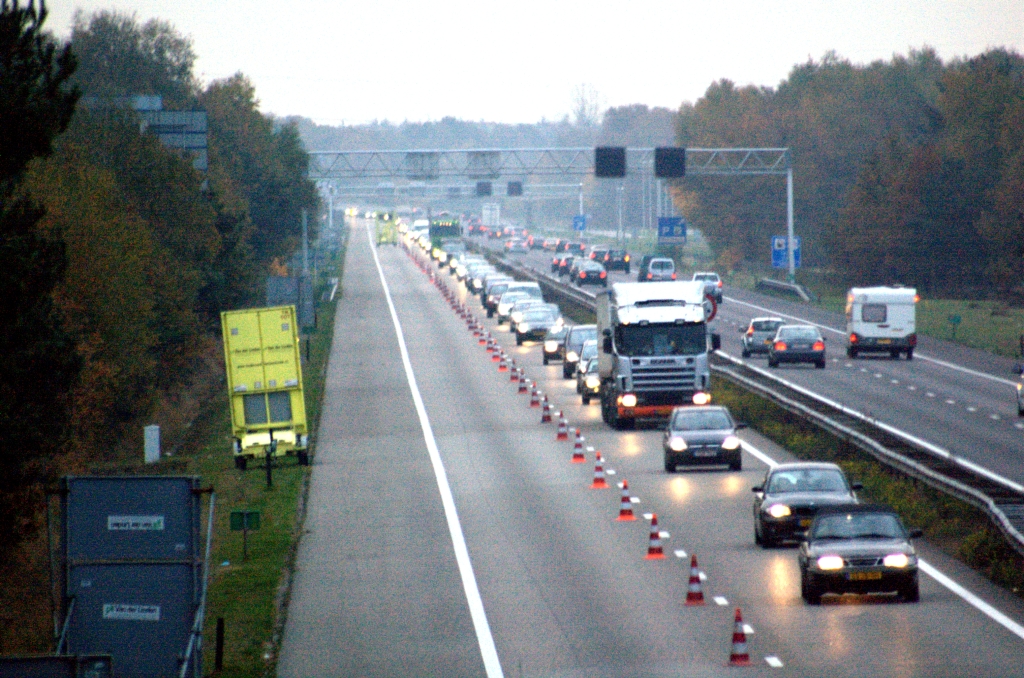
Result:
<point x="658" y="269"/>
<point x="758" y="335"/>
<point x="702" y="435"/>
<point x="617" y="260"/>
<point x="881" y="320"/>
<point x="506" y="302"/>
<point x="574" y="340"/>
<point x="576" y="248"/>
<point x="565" y="265"/>
<point x="589" y="272"/>
<point x="554" y="343"/>
<point x="588" y="381"/>
<point x="597" y="253"/>
<point x="516" y="246"/>
<point x="535" y="242"/>
<point x="551" y="244"/>
<point x="264" y="379"/>
<point x="587" y="353"/>
<point x="785" y="503"/>
<point x="712" y="284"/>
<point x="535" y="324"/>
<point x="519" y="308"/>
<point x="797" y="344"/>
<point x="858" y="548"/>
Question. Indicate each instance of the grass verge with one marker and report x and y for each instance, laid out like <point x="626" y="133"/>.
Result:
<point x="956" y="527"/>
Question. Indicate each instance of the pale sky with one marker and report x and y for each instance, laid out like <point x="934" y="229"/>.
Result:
<point x="341" y="60"/>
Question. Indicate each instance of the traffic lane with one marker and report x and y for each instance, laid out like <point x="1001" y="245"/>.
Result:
<point x="863" y="635"/>
<point x="376" y="590"/>
<point x="565" y="587"/>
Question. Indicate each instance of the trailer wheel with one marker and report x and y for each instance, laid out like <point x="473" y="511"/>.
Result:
<point x="240" y="462"/>
<point x="910" y="354"/>
<point x="303" y="458"/>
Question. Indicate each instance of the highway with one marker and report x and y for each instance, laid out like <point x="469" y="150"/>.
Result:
<point x="563" y="588"/>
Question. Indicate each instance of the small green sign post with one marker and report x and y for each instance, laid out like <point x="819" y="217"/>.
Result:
<point x="954" y="320"/>
<point x="243" y="521"/>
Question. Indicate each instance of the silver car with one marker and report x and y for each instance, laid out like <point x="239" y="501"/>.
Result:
<point x="758" y="335"/>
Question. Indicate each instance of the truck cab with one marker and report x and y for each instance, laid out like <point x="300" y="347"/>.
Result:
<point x="653" y="342"/>
<point x="881" y="320"/>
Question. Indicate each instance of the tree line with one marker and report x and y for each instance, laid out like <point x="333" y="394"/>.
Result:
<point x="116" y="255"/>
<point x="909" y="170"/>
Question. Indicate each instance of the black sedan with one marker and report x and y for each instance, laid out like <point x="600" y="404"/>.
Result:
<point x="590" y="272"/>
<point x="785" y="504"/>
<point x="554" y="343"/>
<point x="535" y="324"/>
<point x="858" y="548"/>
<point x="797" y="344"/>
<point x="565" y="265"/>
<point x="617" y="260"/>
<point x="702" y="435"/>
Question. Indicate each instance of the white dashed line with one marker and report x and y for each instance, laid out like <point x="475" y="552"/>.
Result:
<point x="773" y="661"/>
<point x="702" y="576"/>
<point x="680" y="553"/>
<point x="930" y="394"/>
<point x="951" y="402"/>
<point x="610" y="471"/>
<point x="748" y="629"/>
<point x="634" y="500"/>
<point x="719" y="600"/>
<point x="972" y="409"/>
<point x="648" y="516"/>
<point x="911" y="388"/>
<point x="994" y="416"/>
<point x="894" y="381"/>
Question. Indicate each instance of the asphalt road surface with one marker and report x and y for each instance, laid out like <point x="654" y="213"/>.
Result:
<point x="565" y="587"/>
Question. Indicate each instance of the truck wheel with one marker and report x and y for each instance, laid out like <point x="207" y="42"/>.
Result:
<point x="910" y="354"/>
<point x="303" y="458"/>
<point x="820" y="364"/>
<point x="240" y="463"/>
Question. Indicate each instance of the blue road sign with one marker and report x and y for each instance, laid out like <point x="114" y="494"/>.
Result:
<point x="780" y="253"/>
<point x="671" y="231"/>
<point x="579" y="222"/>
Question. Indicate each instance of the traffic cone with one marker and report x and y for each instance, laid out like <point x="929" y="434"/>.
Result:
<point x="599" y="481"/>
<point x="654" y="551"/>
<point x="563" y="428"/>
<point x="694" y="594"/>
<point x="502" y="365"/>
<point x="739" y="656"/>
<point x="545" y="415"/>
<point x="483" y="338"/>
<point x="513" y="375"/>
<point x="523" y="388"/>
<point x="535" y="396"/>
<point x="577" y="449"/>
<point x="626" y="505"/>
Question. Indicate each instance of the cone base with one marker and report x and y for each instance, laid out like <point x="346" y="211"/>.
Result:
<point x="695" y="602"/>
<point x="626" y="517"/>
<point x="655" y="556"/>
<point x="741" y="661"/>
<point x="599" y="485"/>
<point x="561" y="437"/>
<point x="579" y="460"/>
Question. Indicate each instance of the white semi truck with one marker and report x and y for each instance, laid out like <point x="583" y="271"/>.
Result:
<point x="654" y="343"/>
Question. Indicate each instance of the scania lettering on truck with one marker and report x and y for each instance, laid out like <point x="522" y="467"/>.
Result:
<point x="654" y="343"/>
<point x="881" y="320"/>
<point x="268" y="409"/>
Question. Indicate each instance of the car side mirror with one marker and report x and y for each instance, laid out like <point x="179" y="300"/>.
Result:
<point x="716" y="341"/>
<point x="606" y="345"/>
<point x="916" y="532"/>
<point x="757" y="488"/>
<point x="856" y="487"/>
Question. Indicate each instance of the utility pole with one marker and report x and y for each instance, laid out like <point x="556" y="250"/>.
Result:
<point x="305" y="244"/>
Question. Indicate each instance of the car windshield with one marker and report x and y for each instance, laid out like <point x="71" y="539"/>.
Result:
<point x="701" y="420"/>
<point x="536" y="315"/>
<point x="807" y="480"/>
<point x="661" y="339"/>
<point x="705" y="276"/>
<point x="766" y="325"/>
<point x="580" y="335"/>
<point x="858" y="526"/>
<point x="511" y="297"/>
<point x="589" y="350"/>
<point x="592" y="366"/>
<point x="662" y="265"/>
<point x="557" y="332"/>
<point x="807" y="333"/>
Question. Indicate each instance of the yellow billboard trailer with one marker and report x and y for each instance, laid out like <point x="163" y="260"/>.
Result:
<point x="264" y="370"/>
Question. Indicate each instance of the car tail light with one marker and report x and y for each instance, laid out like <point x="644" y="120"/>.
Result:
<point x="750" y="331"/>
<point x="583" y="274"/>
<point x="854" y="338"/>
<point x="603" y="274"/>
<point x="649" y="276"/>
<point x="917" y="298"/>
<point x="719" y="283"/>
<point x="592" y="255"/>
<point x="780" y="346"/>
<point x="673" y="276"/>
<point x="818" y="346"/>
<point x="625" y="258"/>
<point x="912" y="339"/>
<point x="607" y="257"/>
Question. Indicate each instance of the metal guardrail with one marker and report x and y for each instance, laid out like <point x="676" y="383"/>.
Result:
<point x="779" y="286"/>
<point x="1001" y="499"/>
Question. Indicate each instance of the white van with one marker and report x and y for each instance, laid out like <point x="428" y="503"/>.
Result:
<point x="881" y="320"/>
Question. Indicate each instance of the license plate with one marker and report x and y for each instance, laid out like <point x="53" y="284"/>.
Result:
<point x="705" y="453"/>
<point x="885" y="341"/>
<point x="865" y="576"/>
<point x="806" y="522"/>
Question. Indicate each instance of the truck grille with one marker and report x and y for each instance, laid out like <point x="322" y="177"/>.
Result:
<point x="664" y="378"/>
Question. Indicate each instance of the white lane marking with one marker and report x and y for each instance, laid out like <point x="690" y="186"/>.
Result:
<point x="634" y="500"/>
<point x="773" y="661"/>
<point x="610" y="471"/>
<point x="492" y="665"/>
<point x="994" y="416"/>
<point x="894" y="381"/>
<point x="926" y="358"/>
<point x="719" y="600"/>
<point x="911" y="388"/>
<point x="648" y="516"/>
<point x="764" y="458"/>
<point x="748" y="629"/>
<point x="1019" y="425"/>
<point x="971" y="599"/>
<point x="972" y="409"/>
<point x="680" y="553"/>
<point x="702" y="576"/>
<point x="664" y="535"/>
<point x="951" y="402"/>
<point x="930" y="394"/>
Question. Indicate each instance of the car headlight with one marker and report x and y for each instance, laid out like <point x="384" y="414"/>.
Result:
<point x="628" y="400"/>
<point x="730" y="443"/>
<point x="517" y="316"/>
<point x="896" y="560"/>
<point x="830" y="563"/>
<point x="779" y="511"/>
<point x="550" y="346"/>
<point x="523" y="327"/>
<point x="676" y="444"/>
<point x="593" y="382"/>
<point x="701" y="398"/>
<point x="572" y="356"/>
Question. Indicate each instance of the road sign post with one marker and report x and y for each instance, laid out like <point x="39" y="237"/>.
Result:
<point x="671" y="231"/>
<point x="243" y="521"/>
<point x="579" y="223"/>
<point x="780" y="252"/>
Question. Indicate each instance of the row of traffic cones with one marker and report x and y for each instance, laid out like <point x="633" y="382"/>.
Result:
<point x="739" y="655"/>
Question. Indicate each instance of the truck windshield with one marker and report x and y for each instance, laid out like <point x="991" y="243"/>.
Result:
<point x="653" y="340"/>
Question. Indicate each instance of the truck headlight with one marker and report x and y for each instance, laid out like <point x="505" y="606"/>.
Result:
<point x="627" y="400"/>
<point x="778" y="511"/>
<point x="830" y="563"/>
<point x="701" y="398"/>
<point x="730" y="443"/>
<point x="676" y="444"/>
<point x="550" y="346"/>
<point x="896" y="560"/>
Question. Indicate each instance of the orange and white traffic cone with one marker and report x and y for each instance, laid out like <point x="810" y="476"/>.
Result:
<point x="523" y="388"/>
<point x="535" y="396"/>
<point x="654" y="551"/>
<point x="694" y="594"/>
<point x="739" y="655"/>
<point x="513" y="370"/>
<point x="563" y="428"/>
<point x="577" y="449"/>
<point x="545" y="415"/>
<point x="498" y="355"/>
<point x="626" y="505"/>
<point x="502" y="365"/>
<point x="483" y="338"/>
<point x="599" y="482"/>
